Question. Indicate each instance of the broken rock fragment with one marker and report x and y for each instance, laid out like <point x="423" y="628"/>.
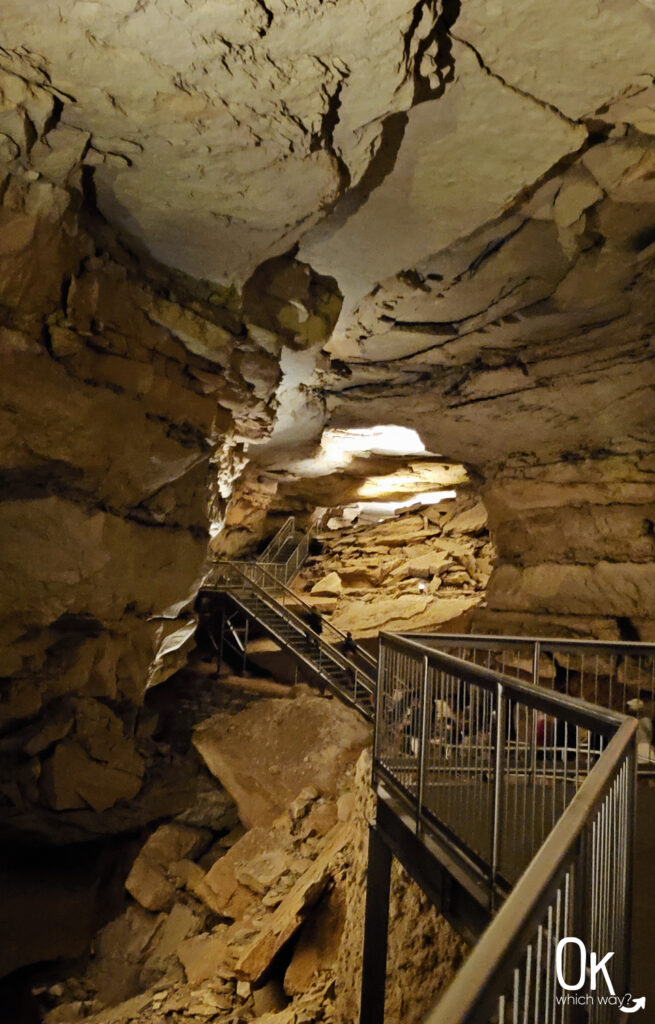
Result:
<point x="155" y="878"/>
<point x="291" y="912"/>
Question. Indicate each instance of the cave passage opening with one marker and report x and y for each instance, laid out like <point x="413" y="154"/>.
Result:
<point x="401" y="532"/>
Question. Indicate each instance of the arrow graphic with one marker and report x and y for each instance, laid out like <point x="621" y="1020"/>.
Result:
<point x="639" y="1004"/>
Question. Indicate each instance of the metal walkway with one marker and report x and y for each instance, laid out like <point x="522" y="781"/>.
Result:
<point x="258" y="600"/>
<point x="513" y="808"/>
<point x="613" y="674"/>
<point x="508" y="798"/>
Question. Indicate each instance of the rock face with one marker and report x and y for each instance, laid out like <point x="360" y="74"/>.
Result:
<point x="120" y="402"/>
<point x="269" y="120"/>
<point x="302" y="741"/>
<point x="487" y="215"/>
<point x="503" y="352"/>
<point x="422" y="569"/>
<point x="266" y="926"/>
<point x="107" y="437"/>
<point x="576" y="544"/>
<point x="489" y="223"/>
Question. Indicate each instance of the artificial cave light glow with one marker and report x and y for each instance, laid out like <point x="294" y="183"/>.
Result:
<point x="382" y="440"/>
<point x="427" y="498"/>
<point x="379" y="510"/>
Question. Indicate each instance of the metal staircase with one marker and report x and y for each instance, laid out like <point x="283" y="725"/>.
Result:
<point x="282" y="548"/>
<point x="258" y="600"/>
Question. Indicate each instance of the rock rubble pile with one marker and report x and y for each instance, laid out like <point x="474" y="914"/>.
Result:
<point x="421" y="569"/>
<point x="264" y="923"/>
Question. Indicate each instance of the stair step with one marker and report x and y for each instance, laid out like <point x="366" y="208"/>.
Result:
<point x="277" y="622"/>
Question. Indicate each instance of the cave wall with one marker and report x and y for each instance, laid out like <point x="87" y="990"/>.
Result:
<point x="122" y="397"/>
<point x="576" y="548"/>
<point x="525" y="351"/>
<point x="423" y="569"/>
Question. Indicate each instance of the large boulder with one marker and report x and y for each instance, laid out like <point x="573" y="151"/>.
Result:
<point x="267" y="754"/>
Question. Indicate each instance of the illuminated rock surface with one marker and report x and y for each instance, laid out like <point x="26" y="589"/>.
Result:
<point x="224" y="227"/>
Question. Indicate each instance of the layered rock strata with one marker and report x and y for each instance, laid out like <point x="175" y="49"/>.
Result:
<point x="115" y="400"/>
<point x="576" y="544"/>
<point x="525" y="351"/>
<point x="126" y="395"/>
<point x="423" y="569"/>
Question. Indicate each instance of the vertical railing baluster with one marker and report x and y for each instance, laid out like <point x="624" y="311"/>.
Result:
<point x="629" y="850"/>
<point x="498" y="789"/>
<point x="379" y="701"/>
<point x="536" y="657"/>
<point x="424" y="740"/>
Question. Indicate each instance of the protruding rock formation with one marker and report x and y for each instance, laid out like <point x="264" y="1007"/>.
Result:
<point x="263" y="923"/>
<point x="420" y="570"/>
<point x="226" y="227"/>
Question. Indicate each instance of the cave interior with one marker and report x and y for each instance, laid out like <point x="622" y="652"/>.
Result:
<point x="384" y="267"/>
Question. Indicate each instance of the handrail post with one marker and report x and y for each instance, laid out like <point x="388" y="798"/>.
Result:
<point x="497" y="809"/>
<point x="379" y="704"/>
<point x="631" y="814"/>
<point x="245" y="648"/>
<point x="423" y="745"/>
<point x="536" y="658"/>
<point x="376" y="929"/>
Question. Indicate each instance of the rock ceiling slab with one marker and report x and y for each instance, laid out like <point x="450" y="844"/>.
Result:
<point x="462" y="159"/>
<point x="220" y="131"/>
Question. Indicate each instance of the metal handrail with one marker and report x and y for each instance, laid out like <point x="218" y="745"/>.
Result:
<point x="269" y="572"/>
<point x="487" y="642"/>
<point x="543" y="826"/>
<point x="297" y="557"/>
<point x="472" y="995"/>
<point x="291" y="567"/>
<point x="297" y="620"/>
<point x="278" y="540"/>
<point x="583" y="713"/>
<point x="361" y="679"/>
<point x="616" y="674"/>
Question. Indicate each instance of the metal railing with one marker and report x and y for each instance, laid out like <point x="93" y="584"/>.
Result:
<point x="278" y="541"/>
<point x="286" y="569"/>
<point x="297" y="559"/>
<point x="275" y="601"/>
<point x="268" y="578"/>
<point x="578" y="886"/>
<point x="615" y="675"/>
<point x="534" y="791"/>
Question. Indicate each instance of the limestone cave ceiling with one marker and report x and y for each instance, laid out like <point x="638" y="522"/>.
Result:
<point x="476" y="180"/>
<point x="230" y="224"/>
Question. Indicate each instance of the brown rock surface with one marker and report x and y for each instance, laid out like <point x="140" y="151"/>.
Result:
<point x="575" y="548"/>
<point x="318" y="943"/>
<point x="154" y="877"/>
<point x="149" y="965"/>
<point x="307" y="740"/>
<point x="418" y="570"/>
<point x="104" y="518"/>
<point x="289" y="914"/>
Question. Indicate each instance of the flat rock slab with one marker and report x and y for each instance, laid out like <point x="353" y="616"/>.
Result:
<point x="291" y="912"/>
<point x="267" y="754"/>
